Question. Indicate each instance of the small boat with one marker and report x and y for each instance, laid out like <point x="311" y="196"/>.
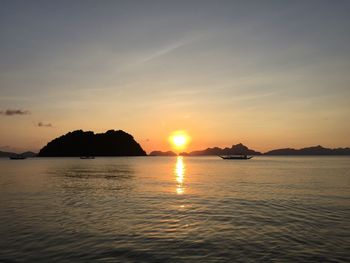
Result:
<point x="236" y="157"/>
<point x="87" y="157"/>
<point x="17" y="157"/>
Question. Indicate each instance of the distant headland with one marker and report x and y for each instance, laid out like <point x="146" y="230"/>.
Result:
<point x="160" y="153"/>
<point x="314" y="150"/>
<point x="87" y="143"/>
<point x="235" y="149"/>
<point x="242" y="149"/>
<point x="24" y="154"/>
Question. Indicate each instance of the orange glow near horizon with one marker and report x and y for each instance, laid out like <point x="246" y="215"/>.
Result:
<point x="179" y="140"/>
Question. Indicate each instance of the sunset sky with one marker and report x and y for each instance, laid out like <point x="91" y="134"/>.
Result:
<point x="269" y="74"/>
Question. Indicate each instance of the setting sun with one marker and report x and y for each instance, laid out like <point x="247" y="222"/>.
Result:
<point x="179" y="139"/>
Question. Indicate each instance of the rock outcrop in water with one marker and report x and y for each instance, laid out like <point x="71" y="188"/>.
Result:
<point x="80" y="143"/>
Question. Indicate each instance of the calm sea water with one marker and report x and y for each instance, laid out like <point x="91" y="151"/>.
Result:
<point x="168" y="209"/>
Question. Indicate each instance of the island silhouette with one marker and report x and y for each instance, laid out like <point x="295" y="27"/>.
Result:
<point x="235" y="149"/>
<point x="240" y="149"/>
<point x="27" y="154"/>
<point x="120" y="143"/>
<point x="160" y="153"/>
<point x="314" y="150"/>
<point x="87" y="143"/>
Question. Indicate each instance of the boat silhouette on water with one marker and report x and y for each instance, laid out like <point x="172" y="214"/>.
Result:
<point x="236" y="157"/>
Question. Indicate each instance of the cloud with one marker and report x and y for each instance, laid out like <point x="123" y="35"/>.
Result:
<point x="14" y="112"/>
<point x="42" y="124"/>
<point x="14" y="99"/>
<point x="168" y="49"/>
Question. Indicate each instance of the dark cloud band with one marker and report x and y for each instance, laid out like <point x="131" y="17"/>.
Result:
<point x="14" y="112"/>
<point x="41" y="124"/>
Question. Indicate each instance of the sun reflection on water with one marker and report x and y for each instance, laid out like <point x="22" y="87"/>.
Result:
<point x="180" y="175"/>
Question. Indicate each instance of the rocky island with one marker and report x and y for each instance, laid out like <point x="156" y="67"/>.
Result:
<point x="81" y="143"/>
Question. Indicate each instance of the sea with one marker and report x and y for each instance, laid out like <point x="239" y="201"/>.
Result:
<point x="175" y="209"/>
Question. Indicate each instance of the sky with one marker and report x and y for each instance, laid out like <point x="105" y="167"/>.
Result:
<point x="268" y="74"/>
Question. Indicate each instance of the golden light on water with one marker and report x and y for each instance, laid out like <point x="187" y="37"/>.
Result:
<point x="179" y="191"/>
<point x="180" y="175"/>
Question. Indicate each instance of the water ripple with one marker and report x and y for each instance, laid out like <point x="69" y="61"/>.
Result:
<point x="129" y="210"/>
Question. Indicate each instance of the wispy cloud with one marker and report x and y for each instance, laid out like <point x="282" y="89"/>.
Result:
<point x="42" y="124"/>
<point x="14" y="112"/>
<point x="167" y="49"/>
<point x="14" y="98"/>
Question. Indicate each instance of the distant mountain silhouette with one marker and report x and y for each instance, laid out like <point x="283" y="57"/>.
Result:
<point x="314" y="150"/>
<point x="242" y="149"/>
<point x="235" y="149"/>
<point x="160" y="153"/>
<point x="25" y="154"/>
<point x="29" y="154"/>
<point x="6" y="154"/>
<point x="80" y="143"/>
